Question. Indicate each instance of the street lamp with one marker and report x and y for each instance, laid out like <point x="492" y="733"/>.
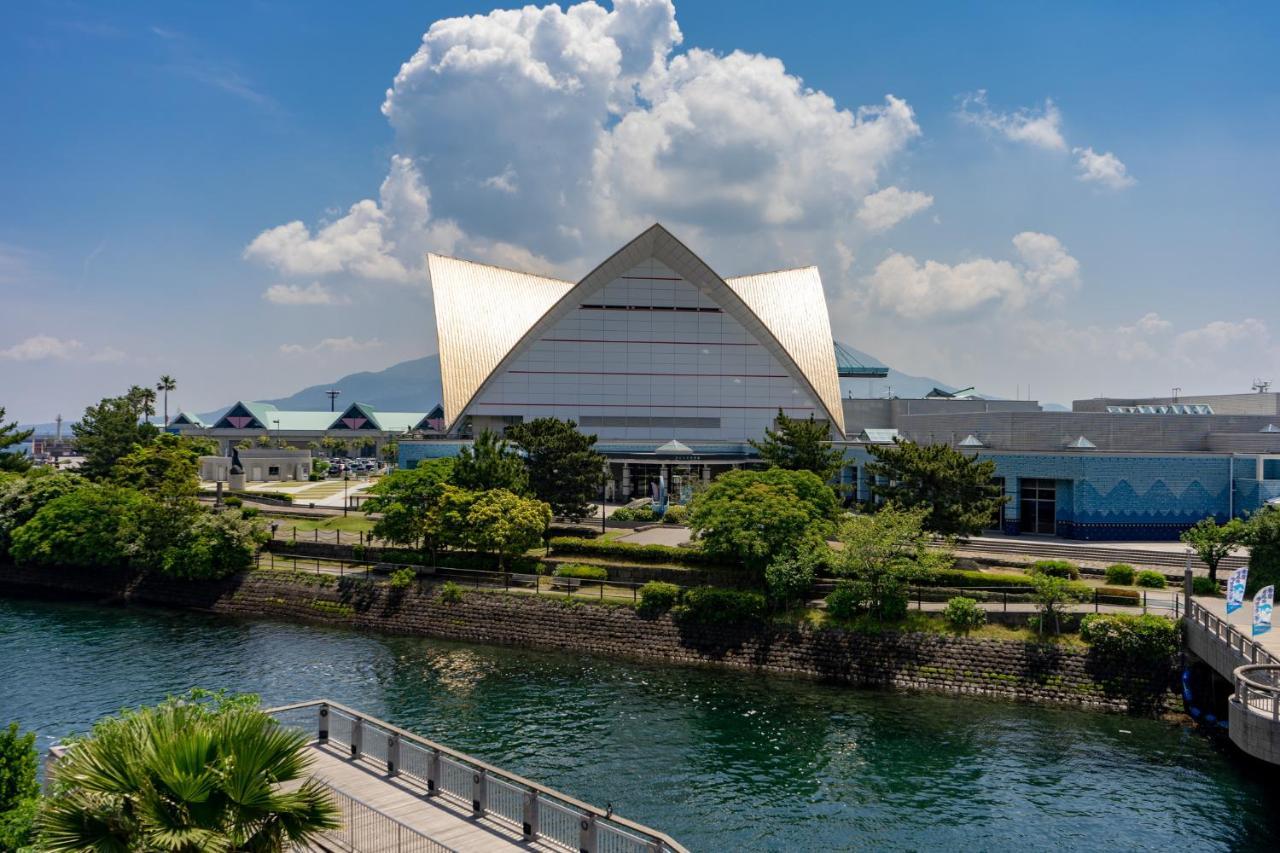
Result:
<point x="346" y="475"/>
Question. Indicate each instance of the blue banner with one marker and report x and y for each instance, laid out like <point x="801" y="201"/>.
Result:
<point x="1235" y="588"/>
<point x="1262" y="610"/>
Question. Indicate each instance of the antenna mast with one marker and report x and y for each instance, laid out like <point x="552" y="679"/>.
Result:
<point x="332" y="394"/>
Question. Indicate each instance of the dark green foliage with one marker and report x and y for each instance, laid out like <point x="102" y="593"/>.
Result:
<point x="961" y="578"/>
<point x="1123" y="638"/>
<point x="22" y="497"/>
<point x="754" y="517"/>
<point x="676" y="514"/>
<point x="640" y="513"/>
<point x="19" y="790"/>
<point x="250" y="512"/>
<point x="1150" y="579"/>
<point x="490" y="462"/>
<point x="410" y="505"/>
<point x="844" y="602"/>
<point x="450" y="593"/>
<point x="883" y="554"/>
<point x="10" y="436"/>
<point x="957" y="490"/>
<point x="402" y="578"/>
<point x="1264" y="549"/>
<point x="658" y="597"/>
<point x="214" y="546"/>
<point x="575" y="570"/>
<point x="964" y="615"/>
<point x="1213" y="542"/>
<point x="789" y="578"/>
<point x="109" y="431"/>
<point x="233" y="502"/>
<point x="1204" y="586"/>
<point x="1055" y="569"/>
<point x="564" y="468"/>
<point x="1053" y="595"/>
<point x="630" y="552"/>
<point x="798" y="444"/>
<point x="169" y="463"/>
<point x="711" y="605"/>
<point x="1121" y="574"/>
<point x="86" y="527"/>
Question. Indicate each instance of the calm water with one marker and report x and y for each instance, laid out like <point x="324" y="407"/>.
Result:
<point x="722" y="761"/>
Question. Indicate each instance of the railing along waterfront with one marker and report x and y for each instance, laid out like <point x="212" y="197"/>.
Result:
<point x="368" y="830"/>
<point x="1227" y="634"/>
<point x="1258" y="689"/>
<point x="538" y="813"/>
<point x="1169" y="603"/>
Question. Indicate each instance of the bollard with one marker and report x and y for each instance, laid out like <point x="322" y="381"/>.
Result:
<point x="322" y="726"/>
<point x="393" y="754"/>
<point x="357" y="736"/>
<point x="530" y="815"/>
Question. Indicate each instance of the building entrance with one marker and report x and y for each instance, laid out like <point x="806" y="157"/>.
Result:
<point x="1038" y="506"/>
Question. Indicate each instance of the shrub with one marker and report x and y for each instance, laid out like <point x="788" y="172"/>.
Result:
<point x="1204" y="586"/>
<point x="1055" y="569"/>
<point x="402" y="578"/>
<point x="575" y="570"/>
<point x="573" y="545"/>
<point x="658" y="597"/>
<point x="708" y="605"/>
<point x="789" y="578"/>
<point x="233" y="501"/>
<point x="1121" y="637"/>
<point x="640" y="513"/>
<point x="844" y="602"/>
<point x="964" y="614"/>
<point x="250" y="512"/>
<point x="1128" y="597"/>
<point x="1150" y="579"/>
<point x="1120" y="574"/>
<point x="450" y="593"/>
<point x="961" y="578"/>
<point x="676" y="514"/>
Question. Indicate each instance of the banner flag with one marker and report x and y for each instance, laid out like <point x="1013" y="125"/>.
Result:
<point x="1262" y="610"/>
<point x="1235" y="588"/>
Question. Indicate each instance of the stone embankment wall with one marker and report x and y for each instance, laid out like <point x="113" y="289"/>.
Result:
<point x="1011" y="670"/>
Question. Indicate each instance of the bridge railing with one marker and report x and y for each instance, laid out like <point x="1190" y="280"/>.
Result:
<point x="365" y="828"/>
<point x="539" y="813"/>
<point x="1258" y="689"/>
<point x="1227" y="634"/>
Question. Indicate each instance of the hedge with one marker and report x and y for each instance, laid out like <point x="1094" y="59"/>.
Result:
<point x="1056" y="568"/>
<point x="590" y="573"/>
<point x="709" y="605"/>
<point x="1130" y="595"/>
<point x="962" y="578"/>
<point x="1122" y="637"/>
<point x="1150" y="579"/>
<point x="1120" y="574"/>
<point x="1205" y="586"/>
<point x="658" y="596"/>
<point x="573" y="545"/>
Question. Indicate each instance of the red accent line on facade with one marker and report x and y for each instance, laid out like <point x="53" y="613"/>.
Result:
<point x="651" y="277"/>
<point x="639" y="373"/>
<point x="681" y="343"/>
<point x="649" y="405"/>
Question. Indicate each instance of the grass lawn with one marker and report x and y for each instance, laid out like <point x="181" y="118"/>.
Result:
<point x="355" y="522"/>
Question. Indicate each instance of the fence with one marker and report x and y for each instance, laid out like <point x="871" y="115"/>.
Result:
<point x="1160" y="602"/>
<point x="1258" y="689"/>
<point x="367" y="830"/>
<point x="1228" y="635"/>
<point x="538" y="813"/>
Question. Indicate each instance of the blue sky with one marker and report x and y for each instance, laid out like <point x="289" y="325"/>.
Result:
<point x="154" y="155"/>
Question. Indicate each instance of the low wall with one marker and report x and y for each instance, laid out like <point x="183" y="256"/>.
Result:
<point x="1010" y="670"/>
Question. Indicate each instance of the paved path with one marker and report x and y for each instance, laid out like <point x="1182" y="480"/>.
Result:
<point x="1242" y="621"/>
<point x="659" y="535"/>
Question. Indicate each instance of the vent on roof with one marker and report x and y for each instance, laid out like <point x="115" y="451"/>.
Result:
<point x="1169" y="409"/>
<point x="972" y="440"/>
<point x="873" y="435"/>
<point x="1081" y="443"/>
<point x="1270" y="428"/>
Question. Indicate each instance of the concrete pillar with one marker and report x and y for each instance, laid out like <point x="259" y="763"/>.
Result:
<point x="626" y="482"/>
<point x="706" y="473"/>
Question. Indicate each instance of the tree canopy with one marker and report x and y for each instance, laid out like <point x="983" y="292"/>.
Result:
<point x="490" y="462"/>
<point x="958" y="491"/>
<point x="882" y="553"/>
<point x="1213" y="542"/>
<point x="564" y="469"/>
<point x="108" y="432"/>
<point x="410" y="502"/>
<point x="757" y="516"/>
<point x="11" y="436"/>
<point x="1264" y="549"/>
<point x="504" y="524"/>
<point x="800" y="444"/>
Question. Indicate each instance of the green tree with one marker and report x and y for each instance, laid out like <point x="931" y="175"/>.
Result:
<point x="1264" y="549"/>
<point x="108" y="431"/>
<point x="168" y="463"/>
<point x="756" y="517"/>
<point x="22" y="497"/>
<point x="10" y="436"/>
<point x="1213" y="542"/>
<point x="19" y="790"/>
<point x="214" y="546"/>
<point x="391" y="451"/>
<point x="564" y="468"/>
<point x="490" y="463"/>
<point x="790" y="577"/>
<point x="502" y="523"/>
<point x="1053" y="595"/>
<point x="184" y="777"/>
<point x="882" y="554"/>
<point x="166" y="384"/>
<point x="410" y="504"/>
<point x="800" y="444"/>
<point x="87" y="527"/>
<point x="957" y="490"/>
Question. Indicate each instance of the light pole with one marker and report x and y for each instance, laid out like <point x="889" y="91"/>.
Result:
<point x="346" y="475"/>
<point x="277" y="423"/>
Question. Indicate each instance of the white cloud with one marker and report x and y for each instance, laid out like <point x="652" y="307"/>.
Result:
<point x="294" y="294"/>
<point x="1105" y="169"/>
<point x="506" y="182"/>
<point x="1040" y="128"/>
<point x="882" y="210"/>
<point x="1221" y="336"/>
<point x="347" y="344"/>
<point x="933" y="290"/>
<point x="41" y="347"/>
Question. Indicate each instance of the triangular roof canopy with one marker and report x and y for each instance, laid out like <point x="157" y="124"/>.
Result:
<point x="972" y="440"/>
<point x="355" y="416"/>
<point x="1081" y="443"/>
<point x="186" y="418"/>
<point x="674" y="446"/>
<point x="486" y="316"/>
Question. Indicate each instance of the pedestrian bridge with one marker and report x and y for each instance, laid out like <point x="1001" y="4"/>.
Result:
<point x="1224" y="642"/>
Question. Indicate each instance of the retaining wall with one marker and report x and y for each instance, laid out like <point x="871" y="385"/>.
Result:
<point x="1011" y="670"/>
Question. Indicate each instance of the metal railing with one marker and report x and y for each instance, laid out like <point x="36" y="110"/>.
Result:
<point x="1258" y="689"/>
<point x="1146" y="600"/>
<point x="538" y="813"/>
<point x="1227" y="634"/>
<point x="366" y="829"/>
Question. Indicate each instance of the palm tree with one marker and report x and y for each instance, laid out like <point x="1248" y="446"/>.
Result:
<point x="166" y="384"/>
<point x="181" y="778"/>
<point x="147" y="397"/>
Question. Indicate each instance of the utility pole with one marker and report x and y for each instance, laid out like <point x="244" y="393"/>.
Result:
<point x="332" y="394"/>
